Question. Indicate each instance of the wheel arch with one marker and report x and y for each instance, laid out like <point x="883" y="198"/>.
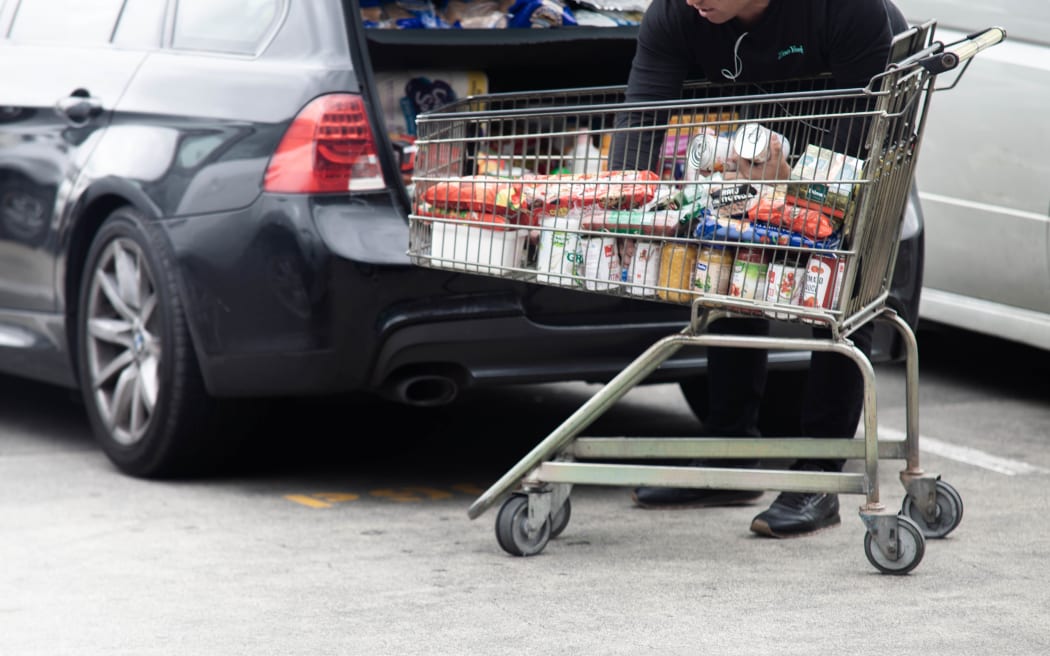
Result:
<point x="86" y="217"/>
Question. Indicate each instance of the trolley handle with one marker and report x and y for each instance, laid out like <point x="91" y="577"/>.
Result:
<point x="962" y="51"/>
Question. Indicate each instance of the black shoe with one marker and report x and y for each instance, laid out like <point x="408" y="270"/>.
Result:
<point x="797" y="513"/>
<point x="685" y="497"/>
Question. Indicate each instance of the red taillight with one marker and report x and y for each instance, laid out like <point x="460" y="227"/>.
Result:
<point x="328" y="148"/>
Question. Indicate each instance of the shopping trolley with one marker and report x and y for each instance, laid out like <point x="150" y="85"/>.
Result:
<point x="581" y="189"/>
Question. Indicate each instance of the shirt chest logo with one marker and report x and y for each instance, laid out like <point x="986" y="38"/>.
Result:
<point x="791" y="50"/>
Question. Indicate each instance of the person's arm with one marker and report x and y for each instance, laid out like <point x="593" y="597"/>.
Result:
<point x="657" y="73"/>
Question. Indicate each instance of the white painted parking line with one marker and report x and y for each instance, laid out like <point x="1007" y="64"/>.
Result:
<point x="965" y="454"/>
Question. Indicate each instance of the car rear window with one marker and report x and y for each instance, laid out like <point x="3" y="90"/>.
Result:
<point x="65" y="21"/>
<point x="233" y="26"/>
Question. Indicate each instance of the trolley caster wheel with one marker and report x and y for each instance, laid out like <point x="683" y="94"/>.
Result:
<point x="560" y="519"/>
<point x="911" y="546"/>
<point x="512" y="528"/>
<point x="949" y="512"/>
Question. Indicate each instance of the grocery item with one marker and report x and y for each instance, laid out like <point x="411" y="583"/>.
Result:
<point x="712" y="227"/>
<point x="480" y="193"/>
<point x="661" y="222"/>
<point x="784" y="281"/>
<point x="477" y="247"/>
<point x="475" y="14"/>
<point x="763" y="233"/>
<point x="493" y="221"/>
<point x="811" y="223"/>
<point x="707" y="154"/>
<point x="403" y="96"/>
<point x="626" y="248"/>
<point x="645" y="268"/>
<point x="601" y="263"/>
<point x="714" y="268"/>
<point x="731" y="198"/>
<point x="552" y="191"/>
<point x="818" y="171"/>
<point x="559" y="258"/>
<point x="621" y="189"/>
<point x="748" y="279"/>
<point x="751" y="141"/>
<point x="585" y="157"/>
<point x="677" y="268"/>
<point x="539" y="14"/>
<point x="824" y="274"/>
<point x="676" y="147"/>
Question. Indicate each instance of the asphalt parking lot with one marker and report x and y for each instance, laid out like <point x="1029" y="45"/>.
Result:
<point x="331" y="538"/>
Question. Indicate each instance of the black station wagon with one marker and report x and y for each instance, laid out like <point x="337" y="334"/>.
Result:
<point x="200" y="201"/>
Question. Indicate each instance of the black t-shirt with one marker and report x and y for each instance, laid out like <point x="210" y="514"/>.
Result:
<point x="850" y="39"/>
<point x="793" y="39"/>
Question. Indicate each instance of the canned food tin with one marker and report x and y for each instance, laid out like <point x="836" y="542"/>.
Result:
<point x="751" y="142"/>
<point x="707" y="153"/>
<point x="749" y="274"/>
<point x="677" y="265"/>
<point x="824" y="274"/>
<point x="714" y="268"/>
<point x="784" y="282"/>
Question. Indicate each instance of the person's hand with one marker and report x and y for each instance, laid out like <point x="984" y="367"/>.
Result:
<point x="774" y="166"/>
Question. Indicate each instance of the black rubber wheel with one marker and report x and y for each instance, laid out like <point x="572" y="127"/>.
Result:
<point x="510" y="528"/>
<point x="139" y="378"/>
<point x="560" y="518"/>
<point x="949" y="511"/>
<point x="911" y="545"/>
<point x="781" y="412"/>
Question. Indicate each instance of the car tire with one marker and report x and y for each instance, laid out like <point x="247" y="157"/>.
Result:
<point x="139" y="377"/>
<point x="781" y="411"/>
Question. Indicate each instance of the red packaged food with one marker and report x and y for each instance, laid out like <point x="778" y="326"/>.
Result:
<point x="557" y="190"/>
<point x="480" y="193"/>
<point x="823" y="281"/>
<point x="808" y="222"/>
<point x="834" y="212"/>
<point x="621" y="189"/>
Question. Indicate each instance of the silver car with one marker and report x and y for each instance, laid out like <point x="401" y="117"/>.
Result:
<point x="984" y="175"/>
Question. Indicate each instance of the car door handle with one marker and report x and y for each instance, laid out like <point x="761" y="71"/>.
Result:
<point x="79" y="107"/>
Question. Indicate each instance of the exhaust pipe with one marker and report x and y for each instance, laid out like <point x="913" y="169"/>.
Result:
<point x="424" y="390"/>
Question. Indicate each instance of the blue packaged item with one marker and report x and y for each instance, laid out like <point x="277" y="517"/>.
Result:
<point x="540" y="13"/>
<point x="761" y="233"/>
<point x="743" y="231"/>
<point x="422" y="14"/>
<point x="710" y="227"/>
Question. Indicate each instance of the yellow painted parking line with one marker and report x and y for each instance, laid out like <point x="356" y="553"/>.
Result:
<point x="400" y="494"/>
<point x="338" y="497"/>
<point x="307" y="501"/>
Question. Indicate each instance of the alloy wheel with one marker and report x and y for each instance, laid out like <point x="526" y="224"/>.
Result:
<point x="123" y="341"/>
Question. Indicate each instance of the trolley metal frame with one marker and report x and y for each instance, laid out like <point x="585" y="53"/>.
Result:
<point x="458" y="141"/>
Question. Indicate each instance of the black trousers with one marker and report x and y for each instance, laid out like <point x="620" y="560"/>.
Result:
<point x="833" y="400"/>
